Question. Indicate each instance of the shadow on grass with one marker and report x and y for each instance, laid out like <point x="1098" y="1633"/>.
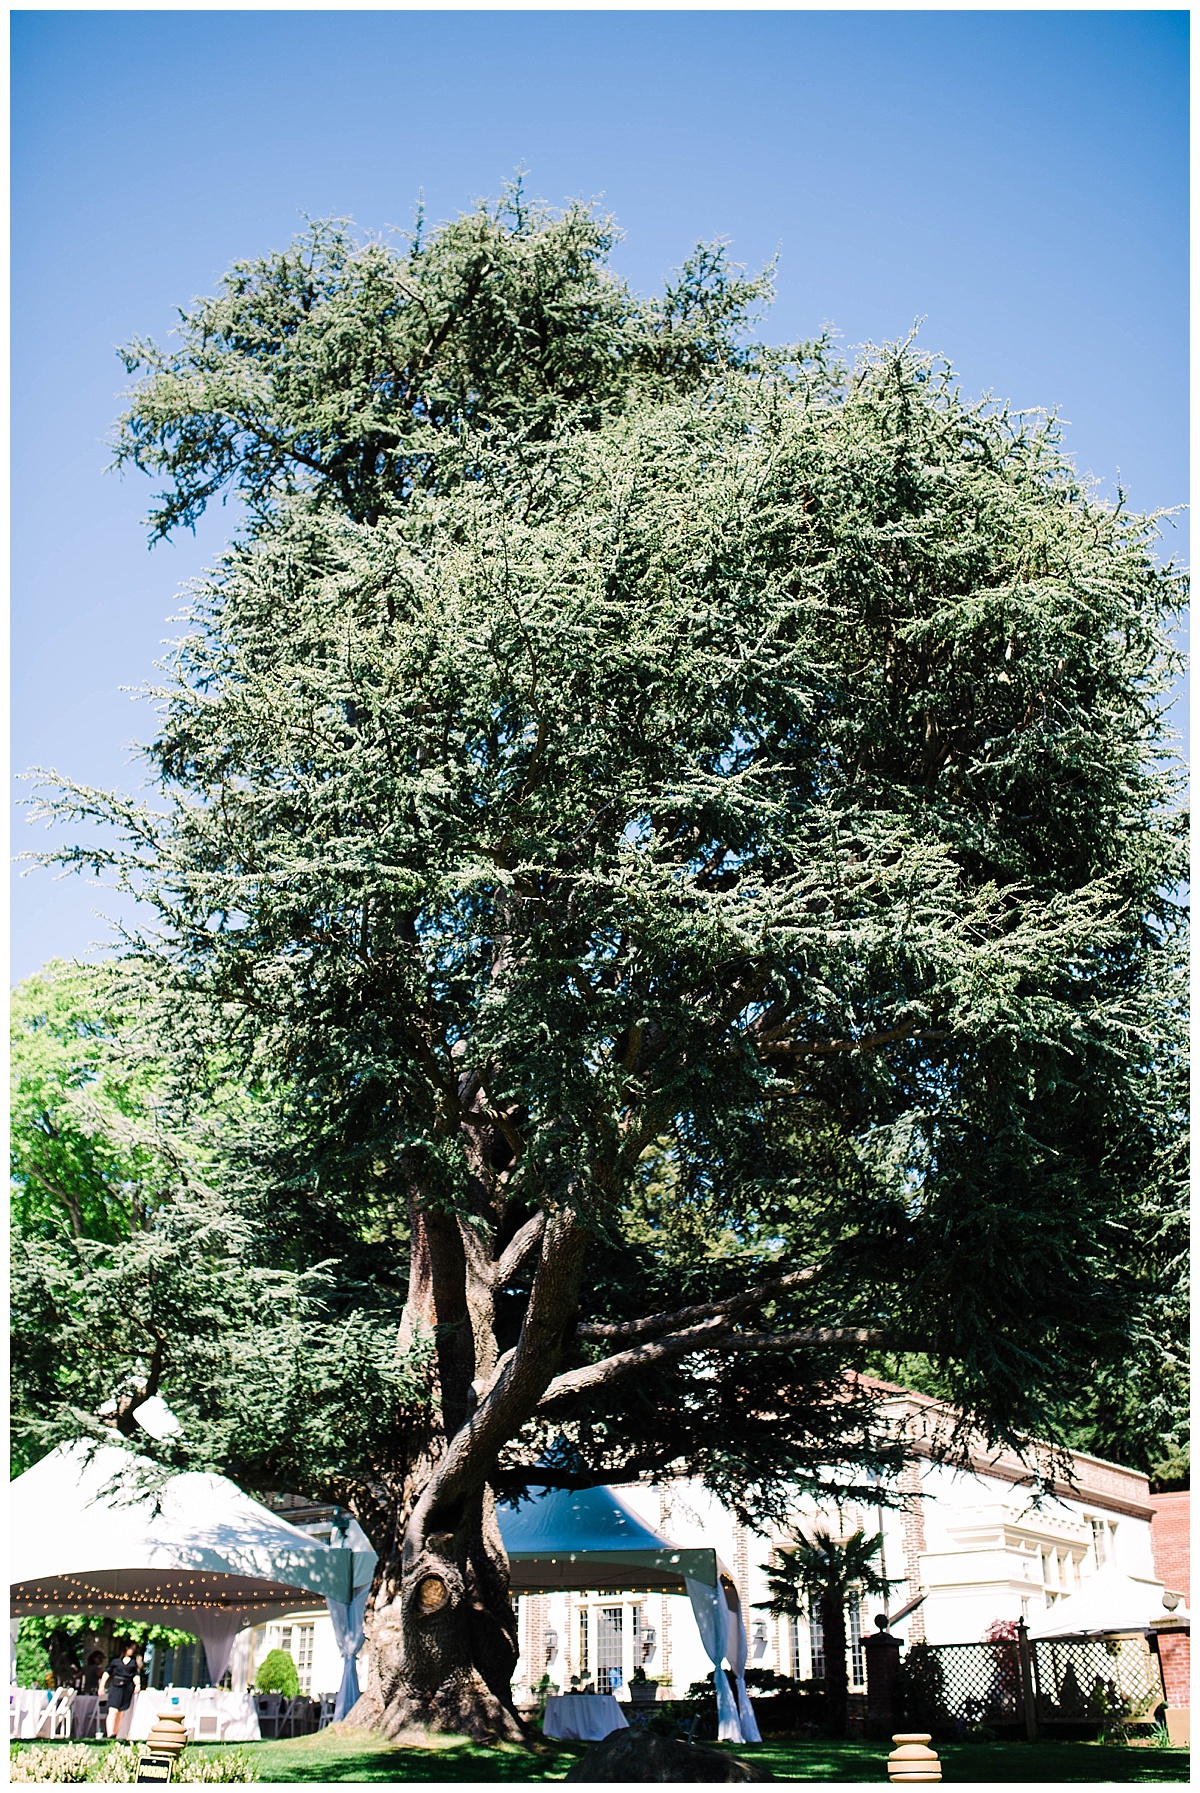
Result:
<point x="359" y="1756"/>
<point x="974" y="1762"/>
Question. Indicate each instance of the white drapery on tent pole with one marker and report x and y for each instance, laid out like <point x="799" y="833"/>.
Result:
<point x="583" y="1538"/>
<point x="216" y="1631"/>
<point x="722" y="1630"/>
<point x="348" y="1618"/>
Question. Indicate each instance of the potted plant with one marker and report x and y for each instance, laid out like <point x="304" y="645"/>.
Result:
<point x="642" y="1690"/>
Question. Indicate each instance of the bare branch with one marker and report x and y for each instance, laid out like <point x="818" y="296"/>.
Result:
<point x="689" y="1316"/>
<point x="707" y="1337"/>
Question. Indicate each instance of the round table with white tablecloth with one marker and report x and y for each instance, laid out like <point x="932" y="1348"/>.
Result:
<point x="237" y="1718"/>
<point x="583" y="1717"/>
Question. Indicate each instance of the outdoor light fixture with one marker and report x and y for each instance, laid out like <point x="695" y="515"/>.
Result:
<point x="649" y="1639"/>
<point x="760" y="1637"/>
<point x="551" y="1644"/>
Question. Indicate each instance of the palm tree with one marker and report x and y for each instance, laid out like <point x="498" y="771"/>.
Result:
<point x="819" y="1573"/>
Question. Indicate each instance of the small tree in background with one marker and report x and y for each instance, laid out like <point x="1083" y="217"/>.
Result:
<point x="817" y="1577"/>
<point x="277" y="1673"/>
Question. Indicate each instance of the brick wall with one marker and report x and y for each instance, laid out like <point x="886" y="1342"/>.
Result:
<point x="914" y="1544"/>
<point x="1170" y="1542"/>
<point x="1175" y="1654"/>
<point x="662" y="1669"/>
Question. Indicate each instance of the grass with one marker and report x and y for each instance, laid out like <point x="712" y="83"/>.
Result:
<point x="340" y="1755"/>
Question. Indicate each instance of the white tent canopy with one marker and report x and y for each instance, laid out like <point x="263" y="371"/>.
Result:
<point x="199" y="1554"/>
<point x="589" y="1538"/>
<point x="1109" y="1600"/>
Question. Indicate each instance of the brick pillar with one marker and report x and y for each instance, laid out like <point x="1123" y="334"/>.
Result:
<point x="536" y="1606"/>
<point x="882" y="1652"/>
<point x="914" y="1544"/>
<point x="1175" y="1656"/>
<point x="741" y="1565"/>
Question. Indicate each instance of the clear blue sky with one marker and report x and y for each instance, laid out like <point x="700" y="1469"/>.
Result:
<point x="1018" y="180"/>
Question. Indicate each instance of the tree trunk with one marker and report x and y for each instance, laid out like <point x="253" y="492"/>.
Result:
<point x="443" y="1634"/>
<point x="837" y="1689"/>
<point x="442" y="1631"/>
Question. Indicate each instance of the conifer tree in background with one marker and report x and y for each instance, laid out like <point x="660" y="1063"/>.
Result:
<point x="672" y="842"/>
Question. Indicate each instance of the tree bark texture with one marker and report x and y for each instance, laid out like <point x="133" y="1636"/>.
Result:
<point x="441" y="1626"/>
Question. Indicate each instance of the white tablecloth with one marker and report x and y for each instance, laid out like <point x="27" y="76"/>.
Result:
<point x="28" y="1706"/>
<point x="85" y="1715"/>
<point x="239" y="1719"/>
<point x="582" y="1716"/>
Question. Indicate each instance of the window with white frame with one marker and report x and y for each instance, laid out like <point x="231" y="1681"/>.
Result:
<point x="1103" y="1542"/>
<point x="816" y="1646"/>
<point x="858" y="1660"/>
<point x="610" y="1648"/>
<point x="297" y="1640"/>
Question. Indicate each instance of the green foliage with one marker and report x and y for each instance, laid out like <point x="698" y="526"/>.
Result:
<point x="86" y="1627"/>
<point x="277" y="1673"/>
<point x="87" y="1154"/>
<point x="733" y="784"/>
<point x="922" y="1685"/>
<point x="337" y="367"/>
<point x="33" y="1660"/>
<point x="270" y="1383"/>
<point x="821" y="1567"/>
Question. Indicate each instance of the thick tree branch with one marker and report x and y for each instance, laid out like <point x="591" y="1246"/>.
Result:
<point x="689" y="1316"/>
<point x="517" y="1384"/>
<point x="707" y="1337"/>
<point x="518" y="1249"/>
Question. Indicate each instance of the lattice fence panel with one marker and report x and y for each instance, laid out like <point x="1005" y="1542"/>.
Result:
<point x="1094" y="1679"/>
<point x="975" y="1683"/>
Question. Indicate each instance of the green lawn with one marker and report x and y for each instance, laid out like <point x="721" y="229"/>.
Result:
<point x="358" y="1756"/>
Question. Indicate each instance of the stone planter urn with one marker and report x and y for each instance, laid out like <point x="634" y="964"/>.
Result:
<point x="168" y="1736"/>
<point x="643" y="1693"/>
<point x="912" y="1759"/>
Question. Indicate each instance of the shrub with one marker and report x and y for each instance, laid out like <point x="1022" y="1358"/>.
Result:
<point x="276" y="1673"/>
<point x="82" y="1762"/>
<point x="69" y="1762"/>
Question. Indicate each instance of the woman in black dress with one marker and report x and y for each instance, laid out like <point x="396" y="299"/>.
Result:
<point x="118" y="1683"/>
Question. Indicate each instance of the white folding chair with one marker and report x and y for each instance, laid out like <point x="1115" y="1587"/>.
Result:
<point x="56" y="1720"/>
<point x="210" y="1719"/>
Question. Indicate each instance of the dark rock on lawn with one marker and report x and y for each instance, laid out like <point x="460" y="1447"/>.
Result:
<point x="642" y="1756"/>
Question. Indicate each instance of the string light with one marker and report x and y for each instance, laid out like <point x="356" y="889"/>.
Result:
<point x="75" y="1589"/>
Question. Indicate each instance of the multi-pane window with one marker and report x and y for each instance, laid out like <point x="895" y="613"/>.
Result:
<point x="636" y="1626"/>
<point x="816" y="1645"/>
<point x="610" y="1637"/>
<point x="297" y="1640"/>
<point x="858" y="1661"/>
<point x="584" y="1660"/>
<point x="1102" y="1541"/>
<point x="793" y="1637"/>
